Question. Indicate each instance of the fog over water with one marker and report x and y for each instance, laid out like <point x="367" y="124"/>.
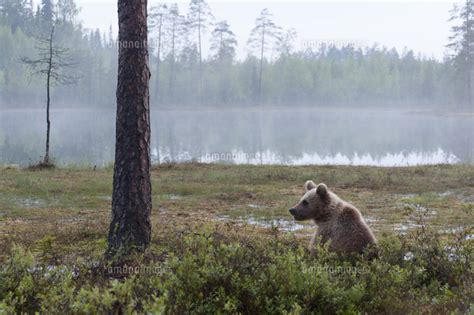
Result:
<point x="259" y="136"/>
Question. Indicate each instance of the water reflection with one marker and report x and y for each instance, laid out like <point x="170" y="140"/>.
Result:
<point x="357" y="137"/>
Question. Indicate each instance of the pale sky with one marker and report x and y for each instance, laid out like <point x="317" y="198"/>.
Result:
<point x="422" y="25"/>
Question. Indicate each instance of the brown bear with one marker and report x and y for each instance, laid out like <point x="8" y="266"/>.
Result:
<point x="338" y="221"/>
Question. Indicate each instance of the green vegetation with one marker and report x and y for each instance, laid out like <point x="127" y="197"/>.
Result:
<point x="317" y="74"/>
<point x="204" y="258"/>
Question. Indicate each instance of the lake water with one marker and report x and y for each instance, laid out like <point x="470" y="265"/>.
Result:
<point x="276" y="136"/>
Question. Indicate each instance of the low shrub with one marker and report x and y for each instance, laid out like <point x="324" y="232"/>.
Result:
<point x="217" y="270"/>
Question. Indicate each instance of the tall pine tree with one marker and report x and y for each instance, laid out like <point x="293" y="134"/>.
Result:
<point x="130" y="229"/>
<point x="262" y="37"/>
<point x="462" y="46"/>
<point x="199" y="19"/>
<point x="47" y="14"/>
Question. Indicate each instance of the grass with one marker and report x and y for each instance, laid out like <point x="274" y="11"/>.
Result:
<point x="60" y="217"/>
<point x="388" y="197"/>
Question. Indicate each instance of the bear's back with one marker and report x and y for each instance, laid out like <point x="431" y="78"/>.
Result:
<point x="350" y="233"/>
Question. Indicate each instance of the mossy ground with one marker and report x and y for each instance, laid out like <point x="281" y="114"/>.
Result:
<point x="60" y="217"/>
<point x="38" y="202"/>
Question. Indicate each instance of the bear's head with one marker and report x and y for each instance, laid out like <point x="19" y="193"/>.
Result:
<point x="315" y="203"/>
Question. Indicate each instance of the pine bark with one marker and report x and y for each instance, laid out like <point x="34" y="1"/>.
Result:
<point x="130" y="229"/>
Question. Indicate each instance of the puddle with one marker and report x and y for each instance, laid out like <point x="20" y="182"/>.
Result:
<point x="416" y="207"/>
<point x="427" y="213"/>
<point x="253" y="206"/>
<point x="454" y="230"/>
<point x="171" y="196"/>
<point x="281" y="224"/>
<point x="402" y="228"/>
<point x="71" y="220"/>
<point x="459" y="230"/>
<point x="290" y="225"/>
<point x="405" y="196"/>
<point x="30" y="202"/>
<point x="371" y="220"/>
<point x="445" y="194"/>
<point x="105" y="197"/>
<point x="466" y="196"/>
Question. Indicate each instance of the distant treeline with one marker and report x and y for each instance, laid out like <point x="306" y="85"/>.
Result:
<point x="183" y="77"/>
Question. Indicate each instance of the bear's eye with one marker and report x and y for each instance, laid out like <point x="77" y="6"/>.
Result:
<point x="305" y="202"/>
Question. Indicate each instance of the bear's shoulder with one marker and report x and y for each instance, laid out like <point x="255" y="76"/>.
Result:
<point x="349" y="213"/>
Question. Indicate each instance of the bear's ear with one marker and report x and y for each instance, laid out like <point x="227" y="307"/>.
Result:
<point x="322" y="190"/>
<point x="309" y="185"/>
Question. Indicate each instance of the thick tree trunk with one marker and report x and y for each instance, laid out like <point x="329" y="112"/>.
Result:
<point x="130" y="229"/>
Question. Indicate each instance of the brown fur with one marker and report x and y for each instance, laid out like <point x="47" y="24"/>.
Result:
<point x="338" y="221"/>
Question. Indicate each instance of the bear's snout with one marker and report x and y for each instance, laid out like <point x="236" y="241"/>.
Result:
<point x="292" y="211"/>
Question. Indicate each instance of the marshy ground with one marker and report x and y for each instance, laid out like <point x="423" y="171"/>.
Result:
<point x="71" y="201"/>
<point x="225" y="242"/>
